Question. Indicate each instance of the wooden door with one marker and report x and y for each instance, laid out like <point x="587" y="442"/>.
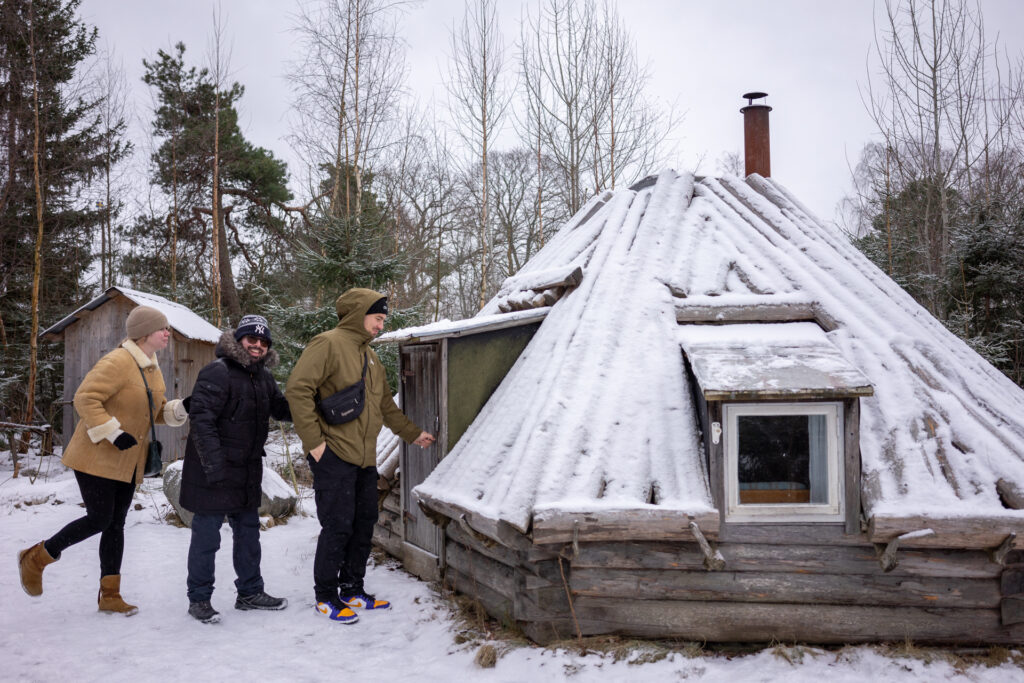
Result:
<point x="420" y="383"/>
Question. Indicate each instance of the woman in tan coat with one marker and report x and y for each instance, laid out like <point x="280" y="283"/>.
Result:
<point x="108" y="452"/>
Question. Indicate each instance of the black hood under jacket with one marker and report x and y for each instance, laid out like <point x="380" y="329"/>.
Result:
<point x="232" y="402"/>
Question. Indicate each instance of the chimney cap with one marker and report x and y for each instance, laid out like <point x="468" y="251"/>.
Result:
<point x="750" y="97"/>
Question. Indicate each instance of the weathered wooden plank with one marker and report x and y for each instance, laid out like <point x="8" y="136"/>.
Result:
<point x="760" y="622"/>
<point x="498" y="606"/>
<point x="493" y="550"/>
<point x="389" y="520"/>
<point x="790" y="534"/>
<point x="810" y="559"/>
<point x="1011" y="610"/>
<point x="390" y="542"/>
<point x="483" y="570"/>
<point x="851" y="461"/>
<point x="418" y="561"/>
<point x="834" y="589"/>
<point x="549" y="630"/>
<point x="797" y="311"/>
<point x="498" y="530"/>
<point x="393" y="502"/>
<point x="953" y="532"/>
<point x="1012" y="582"/>
<point x="560" y="526"/>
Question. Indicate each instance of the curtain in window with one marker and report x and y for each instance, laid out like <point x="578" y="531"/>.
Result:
<point x="817" y="430"/>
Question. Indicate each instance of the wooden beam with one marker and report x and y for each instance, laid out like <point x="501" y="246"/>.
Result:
<point x="950" y="532"/>
<point x="787" y="587"/>
<point x="571" y="279"/>
<point x="760" y="622"/>
<point x="768" y="312"/>
<point x="790" y="534"/>
<point x="560" y="526"/>
<point x="1011" y="610"/>
<point x="804" y="559"/>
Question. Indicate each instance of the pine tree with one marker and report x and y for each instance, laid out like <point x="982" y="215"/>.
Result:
<point x="43" y="45"/>
<point x="252" y="184"/>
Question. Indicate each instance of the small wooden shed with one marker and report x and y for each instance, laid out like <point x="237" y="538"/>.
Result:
<point x="97" y="327"/>
<point x="732" y="428"/>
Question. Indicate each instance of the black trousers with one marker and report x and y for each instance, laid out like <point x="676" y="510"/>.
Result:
<point x="346" y="505"/>
<point x="245" y="553"/>
<point x="106" y="506"/>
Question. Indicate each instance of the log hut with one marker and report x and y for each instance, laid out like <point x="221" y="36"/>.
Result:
<point x="726" y="424"/>
<point x="97" y="327"/>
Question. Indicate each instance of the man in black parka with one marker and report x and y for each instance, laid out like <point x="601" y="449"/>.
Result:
<point x="233" y="399"/>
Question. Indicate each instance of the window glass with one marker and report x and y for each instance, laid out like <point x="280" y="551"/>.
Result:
<point x="783" y="457"/>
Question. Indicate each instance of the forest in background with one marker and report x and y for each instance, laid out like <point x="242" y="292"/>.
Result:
<point x="425" y="205"/>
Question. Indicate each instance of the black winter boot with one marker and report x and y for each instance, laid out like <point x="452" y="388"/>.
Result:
<point x="204" y="612"/>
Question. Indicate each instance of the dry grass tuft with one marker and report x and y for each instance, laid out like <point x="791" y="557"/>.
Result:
<point x="486" y="657"/>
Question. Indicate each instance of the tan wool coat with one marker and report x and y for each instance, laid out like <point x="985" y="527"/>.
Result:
<point x="332" y="361"/>
<point x="111" y="399"/>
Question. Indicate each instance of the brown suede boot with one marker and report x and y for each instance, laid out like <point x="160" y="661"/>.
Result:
<point x="31" y="562"/>
<point x="110" y="599"/>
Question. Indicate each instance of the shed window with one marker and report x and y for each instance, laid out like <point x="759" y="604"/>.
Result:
<point x="783" y="461"/>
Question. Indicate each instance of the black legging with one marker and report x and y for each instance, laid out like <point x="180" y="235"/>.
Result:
<point x="106" y="506"/>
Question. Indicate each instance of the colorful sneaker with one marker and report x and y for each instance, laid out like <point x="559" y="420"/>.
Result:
<point x="340" y="614"/>
<point x="363" y="600"/>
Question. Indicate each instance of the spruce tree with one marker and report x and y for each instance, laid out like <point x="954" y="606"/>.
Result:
<point x="43" y="46"/>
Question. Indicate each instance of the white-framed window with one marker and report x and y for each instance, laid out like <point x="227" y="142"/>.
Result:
<point x="783" y="461"/>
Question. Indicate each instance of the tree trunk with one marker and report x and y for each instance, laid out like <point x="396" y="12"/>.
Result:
<point x="37" y="267"/>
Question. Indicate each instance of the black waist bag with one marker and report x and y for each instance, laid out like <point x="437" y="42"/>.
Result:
<point x="345" y="404"/>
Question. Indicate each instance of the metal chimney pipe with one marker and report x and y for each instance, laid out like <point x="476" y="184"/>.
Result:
<point x="756" y="145"/>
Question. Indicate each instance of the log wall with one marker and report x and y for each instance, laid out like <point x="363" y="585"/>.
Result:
<point x="824" y="593"/>
<point x="790" y="585"/>
<point x="829" y="593"/>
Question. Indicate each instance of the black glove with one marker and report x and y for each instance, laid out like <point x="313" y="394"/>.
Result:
<point x="186" y="402"/>
<point x="124" y="441"/>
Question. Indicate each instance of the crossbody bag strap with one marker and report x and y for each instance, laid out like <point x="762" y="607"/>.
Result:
<point x="317" y="398"/>
<point x="149" y="397"/>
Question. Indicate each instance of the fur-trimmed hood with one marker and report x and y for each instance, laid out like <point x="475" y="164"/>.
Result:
<point x="231" y="349"/>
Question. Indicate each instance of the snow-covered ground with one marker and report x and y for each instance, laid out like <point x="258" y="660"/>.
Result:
<point x="61" y="636"/>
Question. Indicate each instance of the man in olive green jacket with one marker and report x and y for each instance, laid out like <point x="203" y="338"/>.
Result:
<point x="343" y="457"/>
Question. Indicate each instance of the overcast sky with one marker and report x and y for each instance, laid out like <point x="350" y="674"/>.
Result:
<point x="810" y="56"/>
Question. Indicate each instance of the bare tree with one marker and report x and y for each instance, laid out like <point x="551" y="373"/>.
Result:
<point x="585" y="97"/>
<point x="420" y="189"/>
<point x="347" y="92"/>
<point x="942" y="122"/>
<point x="113" y="111"/>
<point x="478" y="100"/>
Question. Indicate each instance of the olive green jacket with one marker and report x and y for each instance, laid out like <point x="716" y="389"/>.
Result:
<point x="332" y="361"/>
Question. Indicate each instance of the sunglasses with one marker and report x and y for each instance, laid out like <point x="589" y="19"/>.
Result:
<point x="258" y="341"/>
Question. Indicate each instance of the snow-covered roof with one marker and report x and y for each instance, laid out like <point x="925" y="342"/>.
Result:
<point x="458" y="328"/>
<point x="183" y="320"/>
<point x="769" y="361"/>
<point x="597" y="414"/>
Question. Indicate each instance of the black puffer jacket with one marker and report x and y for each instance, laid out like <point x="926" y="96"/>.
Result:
<point x="231" y="403"/>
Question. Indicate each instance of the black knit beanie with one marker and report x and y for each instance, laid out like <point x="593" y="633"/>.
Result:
<point x="379" y="306"/>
